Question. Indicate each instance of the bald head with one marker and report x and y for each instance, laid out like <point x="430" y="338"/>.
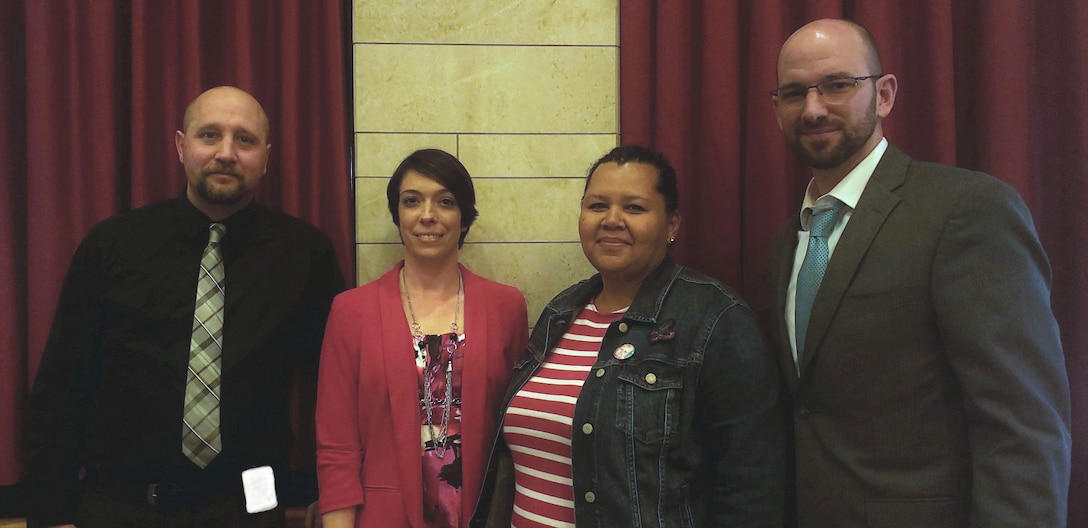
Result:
<point x="232" y="97"/>
<point x="842" y="36"/>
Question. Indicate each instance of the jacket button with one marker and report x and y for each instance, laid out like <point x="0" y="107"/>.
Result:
<point x="622" y="327"/>
<point x="651" y="378"/>
<point x="590" y="497"/>
<point x="600" y="373"/>
<point x="587" y="428"/>
<point x="804" y="413"/>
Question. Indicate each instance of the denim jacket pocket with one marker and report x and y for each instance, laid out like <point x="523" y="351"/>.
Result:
<point x="647" y="403"/>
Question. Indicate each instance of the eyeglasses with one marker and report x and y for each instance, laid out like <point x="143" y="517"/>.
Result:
<point x="833" y="91"/>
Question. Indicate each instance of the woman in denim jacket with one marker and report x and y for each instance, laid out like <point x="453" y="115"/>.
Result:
<point x="645" y="397"/>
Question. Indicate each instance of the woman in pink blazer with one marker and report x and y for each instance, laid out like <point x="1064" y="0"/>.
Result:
<point x="414" y="365"/>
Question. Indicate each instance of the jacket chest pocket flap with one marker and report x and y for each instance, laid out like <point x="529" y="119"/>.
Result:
<point x="648" y="400"/>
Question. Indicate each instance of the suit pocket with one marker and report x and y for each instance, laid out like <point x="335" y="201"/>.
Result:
<point x="935" y="512"/>
<point x="878" y="295"/>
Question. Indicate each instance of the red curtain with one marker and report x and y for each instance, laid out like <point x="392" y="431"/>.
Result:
<point x="90" y="96"/>
<point x="995" y="86"/>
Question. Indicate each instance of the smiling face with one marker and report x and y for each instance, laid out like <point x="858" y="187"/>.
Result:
<point x="624" y="225"/>
<point x="429" y="218"/>
<point x="832" y="137"/>
<point x="224" y="149"/>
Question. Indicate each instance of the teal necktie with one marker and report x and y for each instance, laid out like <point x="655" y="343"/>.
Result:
<point x="812" y="270"/>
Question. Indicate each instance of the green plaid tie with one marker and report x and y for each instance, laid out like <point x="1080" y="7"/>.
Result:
<point x="200" y="440"/>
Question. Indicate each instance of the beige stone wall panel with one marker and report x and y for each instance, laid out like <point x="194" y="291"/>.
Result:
<point x="486" y="89"/>
<point x="379" y="154"/>
<point x="537" y="209"/>
<point x="373" y="223"/>
<point x="533" y="155"/>
<point x="487" y="21"/>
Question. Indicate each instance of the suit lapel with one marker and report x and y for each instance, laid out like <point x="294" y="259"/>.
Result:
<point x="400" y="373"/>
<point x="876" y="203"/>
<point x="782" y="255"/>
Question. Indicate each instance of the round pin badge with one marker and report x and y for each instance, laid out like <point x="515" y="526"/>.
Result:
<point x="624" y="351"/>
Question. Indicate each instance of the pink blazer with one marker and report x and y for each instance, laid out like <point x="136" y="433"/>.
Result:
<point x="368" y="433"/>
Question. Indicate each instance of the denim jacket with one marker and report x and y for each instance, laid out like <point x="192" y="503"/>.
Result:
<point x="685" y="432"/>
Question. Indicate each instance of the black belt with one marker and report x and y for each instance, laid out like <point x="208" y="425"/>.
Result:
<point x="166" y="494"/>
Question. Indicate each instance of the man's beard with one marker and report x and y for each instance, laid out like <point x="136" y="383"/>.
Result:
<point x="853" y="139"/>
<point x="219" y="194"/>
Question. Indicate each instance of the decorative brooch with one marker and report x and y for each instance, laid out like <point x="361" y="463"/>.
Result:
<point x="664" y="332"/>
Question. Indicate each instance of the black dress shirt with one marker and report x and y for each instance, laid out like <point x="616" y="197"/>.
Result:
<point x="109" y="393"/>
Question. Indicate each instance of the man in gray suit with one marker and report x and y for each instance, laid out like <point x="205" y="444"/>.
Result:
<point x="912" y="318"/>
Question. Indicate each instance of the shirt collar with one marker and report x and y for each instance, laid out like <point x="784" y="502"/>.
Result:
<point x="848" y="191"/>
<point x="239" y="225"/>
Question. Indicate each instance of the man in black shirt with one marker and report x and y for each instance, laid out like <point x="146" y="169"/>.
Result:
<point x="109" y="403"/>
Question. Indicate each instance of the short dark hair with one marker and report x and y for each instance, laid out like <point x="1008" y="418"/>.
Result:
<point x="666" y="175"/>
<point x="447" y="170"/>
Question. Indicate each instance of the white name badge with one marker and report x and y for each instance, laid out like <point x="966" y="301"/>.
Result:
<point x="260" y="488"/>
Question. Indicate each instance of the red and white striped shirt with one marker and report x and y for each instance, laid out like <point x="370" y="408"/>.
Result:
<point x="537" y="426"/>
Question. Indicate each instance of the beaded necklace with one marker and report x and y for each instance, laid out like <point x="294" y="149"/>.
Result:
<point x="421" y="352"/>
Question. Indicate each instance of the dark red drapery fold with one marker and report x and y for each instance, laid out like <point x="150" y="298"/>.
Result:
<point x="992" y="86"/>
<point x="13" y="291"/>
<point x="91" y="94"/>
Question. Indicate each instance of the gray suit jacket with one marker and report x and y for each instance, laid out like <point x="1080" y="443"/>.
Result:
<point x="933" y="389"/>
